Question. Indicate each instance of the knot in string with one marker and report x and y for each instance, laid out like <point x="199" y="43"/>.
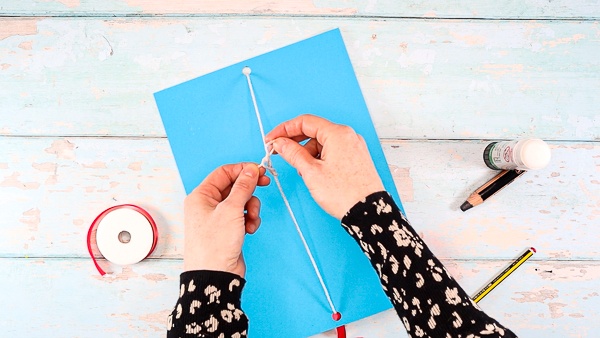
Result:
<point x="266" y="161"/>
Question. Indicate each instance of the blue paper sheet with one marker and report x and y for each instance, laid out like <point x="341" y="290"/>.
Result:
<point x="210" y="121"/>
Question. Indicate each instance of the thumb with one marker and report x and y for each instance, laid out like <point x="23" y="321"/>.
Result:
<point x="293" y="153"/>
<point x="244" y="185"/>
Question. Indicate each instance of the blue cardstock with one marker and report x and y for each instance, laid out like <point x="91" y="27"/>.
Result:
<point x="211" y="121"/>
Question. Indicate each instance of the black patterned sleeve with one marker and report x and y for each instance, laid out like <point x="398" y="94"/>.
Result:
<point x="427" y="299"/>
<point x="209" y="305"/>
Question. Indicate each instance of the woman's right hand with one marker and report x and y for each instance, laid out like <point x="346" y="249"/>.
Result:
<point x="335" y="163"/>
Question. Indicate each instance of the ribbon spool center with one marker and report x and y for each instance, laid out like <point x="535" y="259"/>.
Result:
<point x="124" y="237"/>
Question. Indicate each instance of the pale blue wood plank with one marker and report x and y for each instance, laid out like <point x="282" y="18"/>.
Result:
<point x="51" y="189"/>
<point x="421" y="79"/>
<point x="353" y="8"/>
<point x="67" y="298"/>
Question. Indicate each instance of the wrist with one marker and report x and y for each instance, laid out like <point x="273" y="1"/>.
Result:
<point x="358" y="208"/>
<point x="212" y="264"/>
<point x="360" y="196"/>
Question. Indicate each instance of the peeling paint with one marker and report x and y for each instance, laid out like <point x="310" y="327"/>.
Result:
<point x="556" y="309"/>
<point x="26" y="45"/>
<point x="497" y="69"/>
<point x="63" y="149"/>
<point x="46" y="166"/>
<point x="583" y="146"/>
<point x="125" y="274"/>
<point x="12" y="27"/>
<point x="559" y="254"/>
<point x="67" y="189"/>
<point x="70" y="3"/>
<point x="135" y="166"/>
<point x="32" y="218"/>
<point x="455" y="155"/>
<point x="157" y="318"/>
<point x="538" y="296"/>
<point x="51" y="180"/>
<point x="98" y="93"/>
<point x="156" y="277"/>
<point x="404" y="183"/>
<point x="237" y="6"/>
<point x="567" y="271"/>
<point x="504" y="233"/>
<point x="12" y="181"/>
<point x="561" y="41"/>
<point x="95" y="165"/>
<point x="469" y="39"/>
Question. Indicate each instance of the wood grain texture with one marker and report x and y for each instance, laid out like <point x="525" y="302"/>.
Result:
<point x="447" y="79"/>
<point x="52" y="188"/>
<point x="66" y="297"/>
<point x="387" y="8"/>
<point x="79" y="132"/>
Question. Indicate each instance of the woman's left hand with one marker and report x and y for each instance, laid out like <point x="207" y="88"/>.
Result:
<point x="218" y="214"/>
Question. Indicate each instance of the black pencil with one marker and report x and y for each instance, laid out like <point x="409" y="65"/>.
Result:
<point x="504" y="178"/>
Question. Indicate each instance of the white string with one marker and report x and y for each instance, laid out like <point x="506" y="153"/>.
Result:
<point x="267" y="164"/>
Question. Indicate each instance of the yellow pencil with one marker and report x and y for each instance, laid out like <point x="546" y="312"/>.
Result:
<point x="512" y="267"/>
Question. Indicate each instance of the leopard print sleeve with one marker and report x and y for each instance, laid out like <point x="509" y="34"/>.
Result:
<point x="209" y="305"/>
<point x="427" y="299"/>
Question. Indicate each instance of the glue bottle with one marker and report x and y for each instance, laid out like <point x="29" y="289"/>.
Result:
<point x="526" y="154"/>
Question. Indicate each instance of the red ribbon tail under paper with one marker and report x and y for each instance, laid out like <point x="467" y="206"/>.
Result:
<point x="341" y="331"/>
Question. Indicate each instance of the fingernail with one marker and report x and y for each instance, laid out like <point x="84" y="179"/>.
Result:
<point x="278" y="145"/>
<point x="251" y="170"/>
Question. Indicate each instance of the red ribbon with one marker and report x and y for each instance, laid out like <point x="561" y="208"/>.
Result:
<point x="106" y="212"/>
<point x="341" y="330"/>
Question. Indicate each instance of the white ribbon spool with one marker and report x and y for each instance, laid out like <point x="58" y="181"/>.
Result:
<point x="125" y="234"/>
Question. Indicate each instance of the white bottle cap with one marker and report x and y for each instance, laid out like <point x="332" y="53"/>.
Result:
<point x="535" y="154"/>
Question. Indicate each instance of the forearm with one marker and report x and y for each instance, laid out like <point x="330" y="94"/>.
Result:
<point x="209" y="305"/>
<point x="427" y="299"/>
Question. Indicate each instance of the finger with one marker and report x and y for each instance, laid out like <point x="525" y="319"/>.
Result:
<point x="263" y="181"/>
<point x="307" y="126"/>
<point x="252" y="207"/>
<point x="252" y="216"/>
<point x="298" y="139"/>
<point x="313" y="147"/>
<point x="217" y="184"/>
<point x="232" y="171"/>
<point x="244" y="185"/>
<point x="252" y="225"/>
<point x="294" y="154"/>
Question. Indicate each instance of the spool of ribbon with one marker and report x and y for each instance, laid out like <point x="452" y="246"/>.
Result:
<point x="124" y="234"/>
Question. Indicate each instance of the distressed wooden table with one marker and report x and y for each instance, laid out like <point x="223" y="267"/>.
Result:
<point x="79" y="132"/>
